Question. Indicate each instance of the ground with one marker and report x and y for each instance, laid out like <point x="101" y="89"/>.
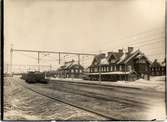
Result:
<point x="140" y="99"/>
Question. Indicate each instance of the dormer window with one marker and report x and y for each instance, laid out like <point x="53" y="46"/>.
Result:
<point x="95" y="63"/>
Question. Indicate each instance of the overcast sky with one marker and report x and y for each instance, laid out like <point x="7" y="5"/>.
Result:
<point x="87" y="26"/>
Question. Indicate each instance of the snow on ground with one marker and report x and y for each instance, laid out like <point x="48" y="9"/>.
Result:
<point x="156" y="83"/>
<point x="23" y="104"/>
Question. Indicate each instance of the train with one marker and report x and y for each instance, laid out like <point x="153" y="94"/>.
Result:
<point x="34" y="77"/>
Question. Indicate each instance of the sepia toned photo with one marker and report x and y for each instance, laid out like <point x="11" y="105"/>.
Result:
<point x="84" y="60"/>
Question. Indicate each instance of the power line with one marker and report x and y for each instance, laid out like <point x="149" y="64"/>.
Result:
<point x="28" y="56"/>
<point x="147" y="44"/>
<point x="149" y="40"/>
<point x="140" y="34"/>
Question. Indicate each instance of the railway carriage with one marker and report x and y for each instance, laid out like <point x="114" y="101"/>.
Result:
<point x="34" y="77"/>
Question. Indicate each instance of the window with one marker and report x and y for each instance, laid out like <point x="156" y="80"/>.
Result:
<point x="104" y="69"/>
<point x="90" y="70"/>
<point x="76" y="70"/>
<point x="115" y="68"/>
<point x="72" y="70"/>
<point x="129" y="68"/>
<point x="101" y="68"/>
<point x="111" y="68"/>
<point x="107" y="69"/>
<point x="95" y="69"/>
<point x="142" y="61"/>
<point x="120" y="68"/>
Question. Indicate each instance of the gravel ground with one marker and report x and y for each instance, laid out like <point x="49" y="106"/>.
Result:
<point x="23" y="104"/>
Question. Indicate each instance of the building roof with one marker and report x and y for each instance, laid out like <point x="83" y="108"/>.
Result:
<point x="104" y="61"/>
<point x="118" y="72"/>
<point x="157" y="64"/>
<point x="120" y="57"/>
<point x="97" y="59"/>
<point x="117" y="55"/>
<point x="128" y="56"/>
<point x="69" y="65"/>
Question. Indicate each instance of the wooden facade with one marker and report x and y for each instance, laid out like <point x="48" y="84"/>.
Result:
<point x="120" y="66"/>
<point x="157" y="68"/>
<point x="70" y="70"/>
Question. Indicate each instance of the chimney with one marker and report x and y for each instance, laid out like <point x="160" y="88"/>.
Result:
<point x="120" y="51"/>
<point x="109" y="53"/>
<point x="130" y="49"/>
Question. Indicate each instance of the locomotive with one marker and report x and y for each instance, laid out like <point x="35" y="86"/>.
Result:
<point x="34" y="77"/>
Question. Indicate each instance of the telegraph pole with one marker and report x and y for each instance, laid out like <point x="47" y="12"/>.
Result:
<point x="100" y="73"/>
<point x="50" y="67"/>
<point x="11" y="59"/>
<point x="38" y="61"/>
<point x="78" y="58"/>
<point x="100" y="69"/>
<point x="59" y="57"/>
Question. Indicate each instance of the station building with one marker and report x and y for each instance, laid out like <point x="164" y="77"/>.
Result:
<point x="70" y="69"/>
<point x="129" y="65"/>
<point x="157" y="68"/>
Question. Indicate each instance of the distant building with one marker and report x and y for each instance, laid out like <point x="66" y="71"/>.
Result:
<point x="120" y="65"/>
<point x="157" y="68"/>
<point x="70" y="70"/>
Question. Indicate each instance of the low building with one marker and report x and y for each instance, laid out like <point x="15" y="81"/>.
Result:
<point x="157" y="68"/>
<point x="120" y="65"/>
<point x="70" y="70"/>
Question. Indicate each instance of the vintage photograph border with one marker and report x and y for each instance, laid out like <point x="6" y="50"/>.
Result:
<point x="2" y="63"/>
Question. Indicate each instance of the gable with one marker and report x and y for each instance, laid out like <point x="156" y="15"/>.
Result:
<point x="95" y="61"/>
<point x="76" y="66"/>
<point x="130" y="57"/>
<point x="112" y="59"/>
<point x="155" y="64"/>
<point x="140" y="58"/>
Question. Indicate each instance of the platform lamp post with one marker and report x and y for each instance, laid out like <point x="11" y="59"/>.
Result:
<point x="125" y="64"/>
<point x="100" y="51"/>
<point x="99" y="73"/>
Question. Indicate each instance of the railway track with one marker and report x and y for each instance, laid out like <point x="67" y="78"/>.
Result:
<point x="81" y="89"/>
<point x="129" y="102"/>
<point x="125" y="89"/>
<point x="98" y="113"/>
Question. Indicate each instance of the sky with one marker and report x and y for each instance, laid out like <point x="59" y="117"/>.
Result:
<point x="87" y="26"/>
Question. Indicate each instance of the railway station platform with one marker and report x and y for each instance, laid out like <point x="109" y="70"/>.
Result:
<point x="156" y="83"/>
